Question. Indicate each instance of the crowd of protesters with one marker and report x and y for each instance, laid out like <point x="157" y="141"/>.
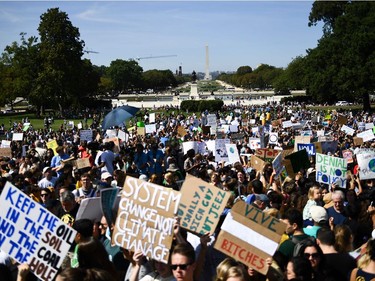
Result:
<point x="338" y="218"/>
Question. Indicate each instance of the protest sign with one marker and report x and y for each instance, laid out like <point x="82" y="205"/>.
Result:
<point x="250" y="236"/>
<point x="6" y="152"/>
<point x="220" y="150"/>
<point x="369" y="126"/>
<point x="273" y="138"/>
<point x="210" y="144"/>
<point x="141" y="131"/>
<point x="366" y="135"/>
<point x="5" y="143"/>
<point x="237" y="136"/>
<point x="53" y="145"/>
<point x="254" y="143"/>
<point x="329" y="146"/>
<point x="309" y="147"/>
<point x="145" y="218"/>
<point x="190" y="145"/>
<point x="71" y="125"/>
<point x="82" y="163"/>
<point x="202" y="148"/>
<point x="17" y="137"/>
<point x="342" y="120"/>
<point x="300" y="139"/>
<point x="348" y="155"/>
<point x="201" y="205"/>
<point x="89" y="208"/>
<point x="181" y="131"/>
<point x="277" y="164"/>
<point x="30" y="234"/>
<point x="357" y="141"/>
<point x="123" y="136"/>
<point x="331" y="169"/>
<point x="152" y="117"/>
<point x="233" y="128"/>
<point x="349" y="131"/>
<point x="232" y="151"/>
<point x="257" y="163"/>
<point x="108" y="198"/>
<point x="266" y="154"/>
<point x="287" y="124"/>
<point x="85" y="135"/>
<point x="366" y="163"/>
<point x="150" y="128"/>
<point x="299" y="160"/>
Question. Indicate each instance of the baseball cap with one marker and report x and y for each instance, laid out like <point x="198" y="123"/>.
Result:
<point x="45" y="169"/>
<point x="318" y="214"/>
<point x="106" y="175"/>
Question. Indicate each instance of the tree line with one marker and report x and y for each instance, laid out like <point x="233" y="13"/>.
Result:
<point x="50" y="72"/>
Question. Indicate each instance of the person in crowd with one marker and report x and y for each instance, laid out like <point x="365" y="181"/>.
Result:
<point x="367" y="270"/>
<point x="69" y="207"/>
<point x="84" y="228"/>
<point x="337" y="211"/>
<point x="57" y="162"/>
<point x="231" y="270"/>
<point x="320" y="219"/>
<point x="107" y="158"/>
<point x="86" y="190"/>
<point x="183" y="262"/>
<point x="298" y="269"/>
<point x="48" y="179"/>
<point x="339" y="264"/>
<point x="315" y="199"/>
<point x="85" y="274"/>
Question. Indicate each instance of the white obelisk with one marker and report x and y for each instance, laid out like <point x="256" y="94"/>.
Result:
<point x="207" y="75"/>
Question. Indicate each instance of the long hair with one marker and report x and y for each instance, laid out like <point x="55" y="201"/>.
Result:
<point x="92" y="254"/>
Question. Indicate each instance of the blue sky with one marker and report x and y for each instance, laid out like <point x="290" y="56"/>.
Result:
<point x="237" y="33"/>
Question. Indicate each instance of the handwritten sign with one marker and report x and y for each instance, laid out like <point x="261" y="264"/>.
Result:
<point x="232" y="151"/>
<point x="309" y="147"/>
<point x="267" y="154"/>
<point x="366" y="163"/>
<point x="6" y="151"/>
<point x="53" y="145"/>
<point x="250" y="236"/>
<point x="85" y="135"/>
<point x="347" y="130"/>
<point x="366" y="135"/>
<point x="220" y="150"/>
<point x="201" y="205"/>
<point x="331" y="169"/>
<point x="17" y="137"/>
<point x="29" y="233"/>
<point x="145" y="218"/>
<point x="277" y="164"/>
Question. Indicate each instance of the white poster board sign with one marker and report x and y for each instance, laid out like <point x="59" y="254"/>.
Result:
<point x="366" y="163"/>
<point x="232" y="151"/>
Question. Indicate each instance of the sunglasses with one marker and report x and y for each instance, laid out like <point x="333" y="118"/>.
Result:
<point x="314" y="255"/>
<point x="181" y="266"/>
<point x="43" y="194"/>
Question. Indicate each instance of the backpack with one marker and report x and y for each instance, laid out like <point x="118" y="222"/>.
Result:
<point x="299" y="244"/>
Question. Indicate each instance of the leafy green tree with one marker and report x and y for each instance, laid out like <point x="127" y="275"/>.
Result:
<point x="19" y="67"/>
<point x="60" y="50"/>
<point x="244" y="70"/>
<point x="125" y="74"/>
<point x="342" y="65"/>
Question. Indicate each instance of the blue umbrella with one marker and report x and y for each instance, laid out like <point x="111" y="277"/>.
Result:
<point x="118" y="116"/>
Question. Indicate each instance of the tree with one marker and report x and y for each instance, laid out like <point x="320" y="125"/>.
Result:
<point x="342" y="65"/>
<point x="19" y="67"/>
<point x="125" y="74"/>
<point x="60" y="50"/>
<point x="244" y="70"/>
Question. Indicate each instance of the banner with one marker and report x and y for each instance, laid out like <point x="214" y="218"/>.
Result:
<point x="250" y="236"/>
<point x="30" y="234"/>
<point x="201" y="205"/>
<point x="331" y="169"/>
<point x="145" y="218"/>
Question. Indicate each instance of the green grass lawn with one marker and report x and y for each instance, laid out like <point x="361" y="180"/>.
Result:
<point x="38" y="123"/>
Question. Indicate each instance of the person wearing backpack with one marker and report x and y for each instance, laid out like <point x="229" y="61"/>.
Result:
<point x="294" y="221"/>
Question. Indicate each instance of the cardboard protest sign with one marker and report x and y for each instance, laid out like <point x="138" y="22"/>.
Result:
<point x="233" y="155"/>
<point x="250" y="236"/>
<point x="330" y="169"/>
<point x="342" y="120"/>
<point x="6" y="152"/>
<point x="85" y="135"/>
<point x="181" y="131"/>
<point x="257" y="163"/>
<point x="141" y="131"/>
<point x="266" y="154"/>
<point x="82" y="163"/>
<point x="299" y="160"/>
<point x="30" y="234"/>
<point x="201" y="205"/>
<point x="366" y="163"/>
<point x="5" y="143"/>
<point x="17" y="137"/>
<point x="300" y="139"/>
<point x="53" y="145"/>
<point x="220" y="150"/>
<point x="145" y="218"/>
<point x="309" y="147"/>
<point x="357" y="141"/>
